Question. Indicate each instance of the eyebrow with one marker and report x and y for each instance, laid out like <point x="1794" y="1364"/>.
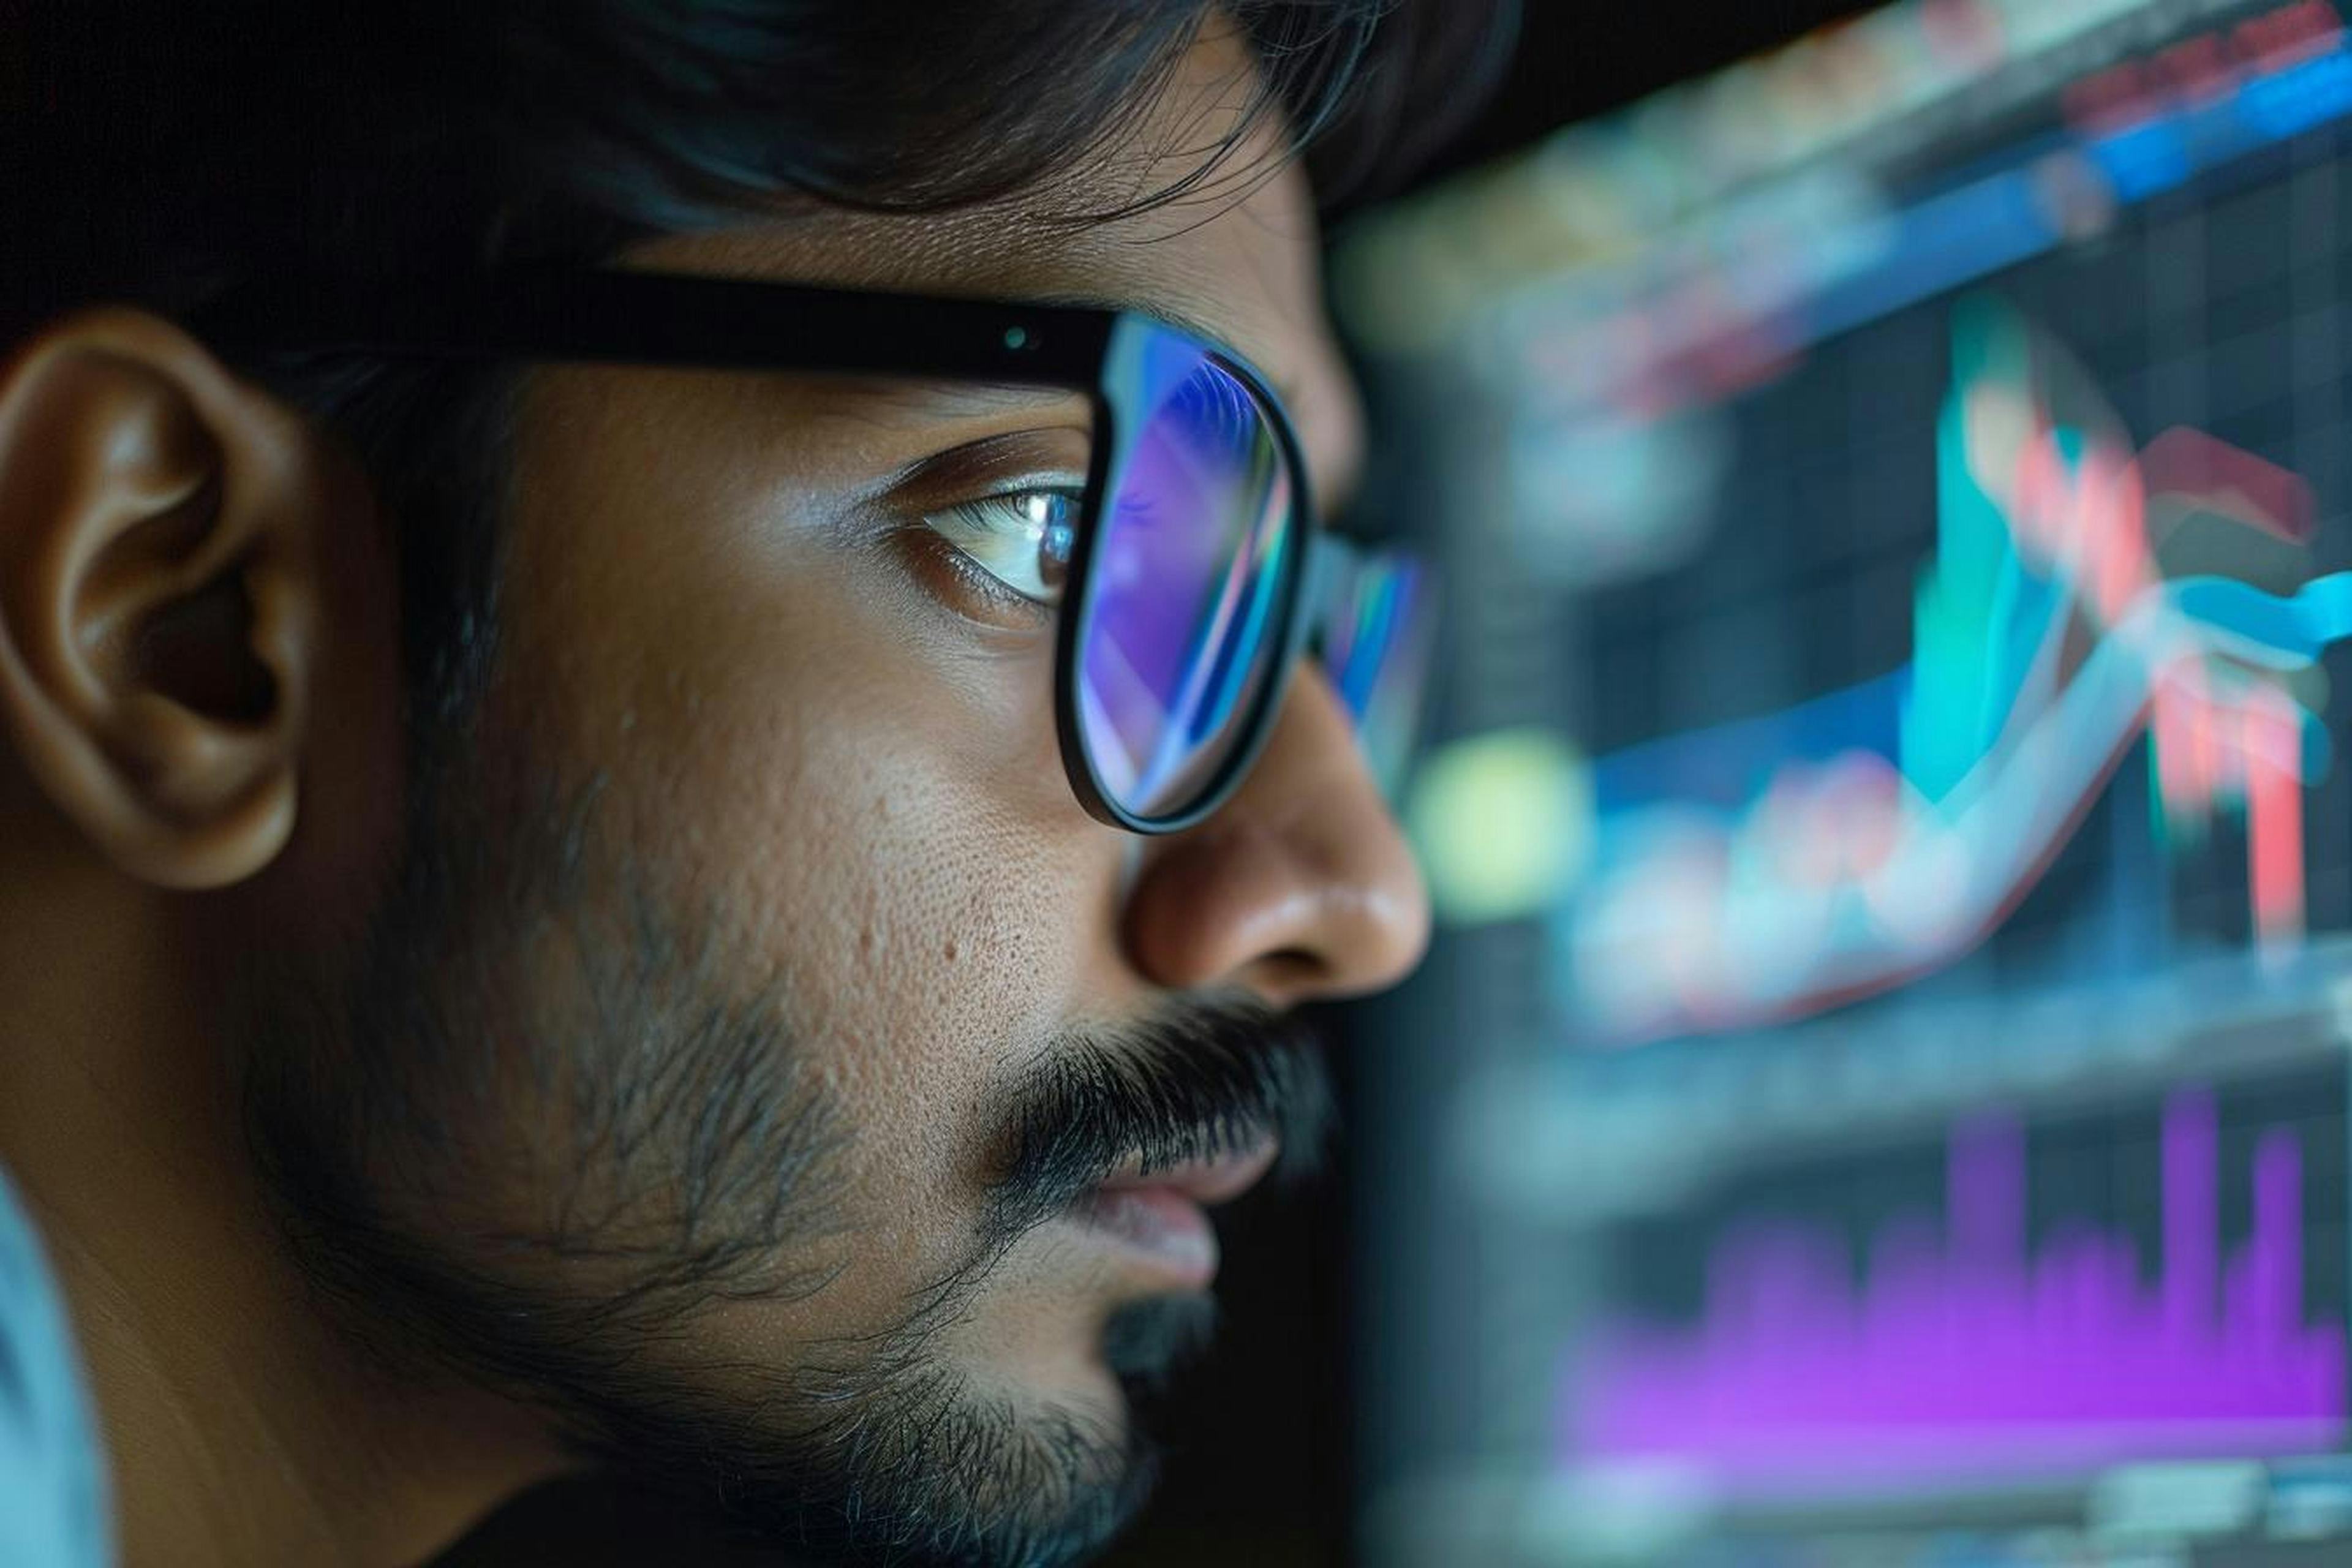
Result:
<point x="1337" y="494"/>
<point x="924" y="399"/>
<point x="1184" y="322"/>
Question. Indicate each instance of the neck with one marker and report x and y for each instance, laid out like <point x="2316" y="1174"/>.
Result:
<point x="240" y="1428"/>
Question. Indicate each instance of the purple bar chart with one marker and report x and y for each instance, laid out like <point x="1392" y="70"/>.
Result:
<point x="1962" y="1354"/>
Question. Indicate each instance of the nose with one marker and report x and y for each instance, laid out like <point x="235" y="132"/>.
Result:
<point x="1299" y="888"/>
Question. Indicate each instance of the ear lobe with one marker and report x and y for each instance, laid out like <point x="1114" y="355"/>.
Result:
<point x="159" y="597"/>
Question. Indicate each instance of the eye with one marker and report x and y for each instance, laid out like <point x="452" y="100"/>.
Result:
<point x="1021" y="538"/>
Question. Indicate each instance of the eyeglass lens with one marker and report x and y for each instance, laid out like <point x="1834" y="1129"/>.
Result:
<point x="1195" y="550"/>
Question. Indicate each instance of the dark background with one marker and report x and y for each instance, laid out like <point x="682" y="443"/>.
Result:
<point x="1262" y="1435"/>
<point x="1577" y="59"/>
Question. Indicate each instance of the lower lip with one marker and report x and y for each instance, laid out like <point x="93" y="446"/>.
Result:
<point x="1158" y="1226"/>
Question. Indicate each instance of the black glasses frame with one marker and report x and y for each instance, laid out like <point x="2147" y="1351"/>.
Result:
<point x="609" y="316"/>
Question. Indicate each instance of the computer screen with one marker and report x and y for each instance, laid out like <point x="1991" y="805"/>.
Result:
<point x="1880" y="1094"/>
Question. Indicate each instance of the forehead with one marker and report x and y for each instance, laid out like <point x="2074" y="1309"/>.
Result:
<point x="1238" y="252"/>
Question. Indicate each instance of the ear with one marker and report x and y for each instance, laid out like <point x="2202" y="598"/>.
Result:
<point x="159" y="597"/>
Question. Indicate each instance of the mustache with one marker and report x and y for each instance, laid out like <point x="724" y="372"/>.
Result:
<point x="1200" y="1080"/>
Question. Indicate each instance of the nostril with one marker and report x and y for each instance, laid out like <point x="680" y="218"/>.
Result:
<point x="1287" y="973"/>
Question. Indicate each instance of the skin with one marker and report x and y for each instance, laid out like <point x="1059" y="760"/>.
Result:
<point x="807" y="737"/>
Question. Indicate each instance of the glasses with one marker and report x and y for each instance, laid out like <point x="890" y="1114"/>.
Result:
<point x="1193" y="573"/>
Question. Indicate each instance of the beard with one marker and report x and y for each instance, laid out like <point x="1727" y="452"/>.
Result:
<point x="533" y="1127"/>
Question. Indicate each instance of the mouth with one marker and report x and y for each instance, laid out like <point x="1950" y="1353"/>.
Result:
<point x="1159" y="1219"/>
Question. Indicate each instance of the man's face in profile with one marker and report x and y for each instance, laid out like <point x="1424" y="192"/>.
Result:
<point x="752" y="1053"/>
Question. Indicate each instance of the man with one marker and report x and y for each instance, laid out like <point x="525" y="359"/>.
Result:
<point x="611" y="859"/>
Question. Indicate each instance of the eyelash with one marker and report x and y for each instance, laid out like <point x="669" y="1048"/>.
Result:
<point x="975" y="578"/>
<point x="987" y="516"/>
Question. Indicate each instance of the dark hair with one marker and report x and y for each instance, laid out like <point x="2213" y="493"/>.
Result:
<point x="157" y="153"/>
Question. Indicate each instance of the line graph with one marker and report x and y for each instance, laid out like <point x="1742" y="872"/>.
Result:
<point x="2083" y="596"/>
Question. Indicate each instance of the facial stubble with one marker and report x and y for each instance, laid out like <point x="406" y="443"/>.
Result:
<point x="531" y="1129"/>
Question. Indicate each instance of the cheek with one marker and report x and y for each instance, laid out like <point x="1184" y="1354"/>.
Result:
<point x="863" y="799"/>
<point x="857" y="823"/>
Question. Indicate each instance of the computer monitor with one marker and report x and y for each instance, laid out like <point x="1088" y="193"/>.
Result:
<point x="1881" y="1093"/>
